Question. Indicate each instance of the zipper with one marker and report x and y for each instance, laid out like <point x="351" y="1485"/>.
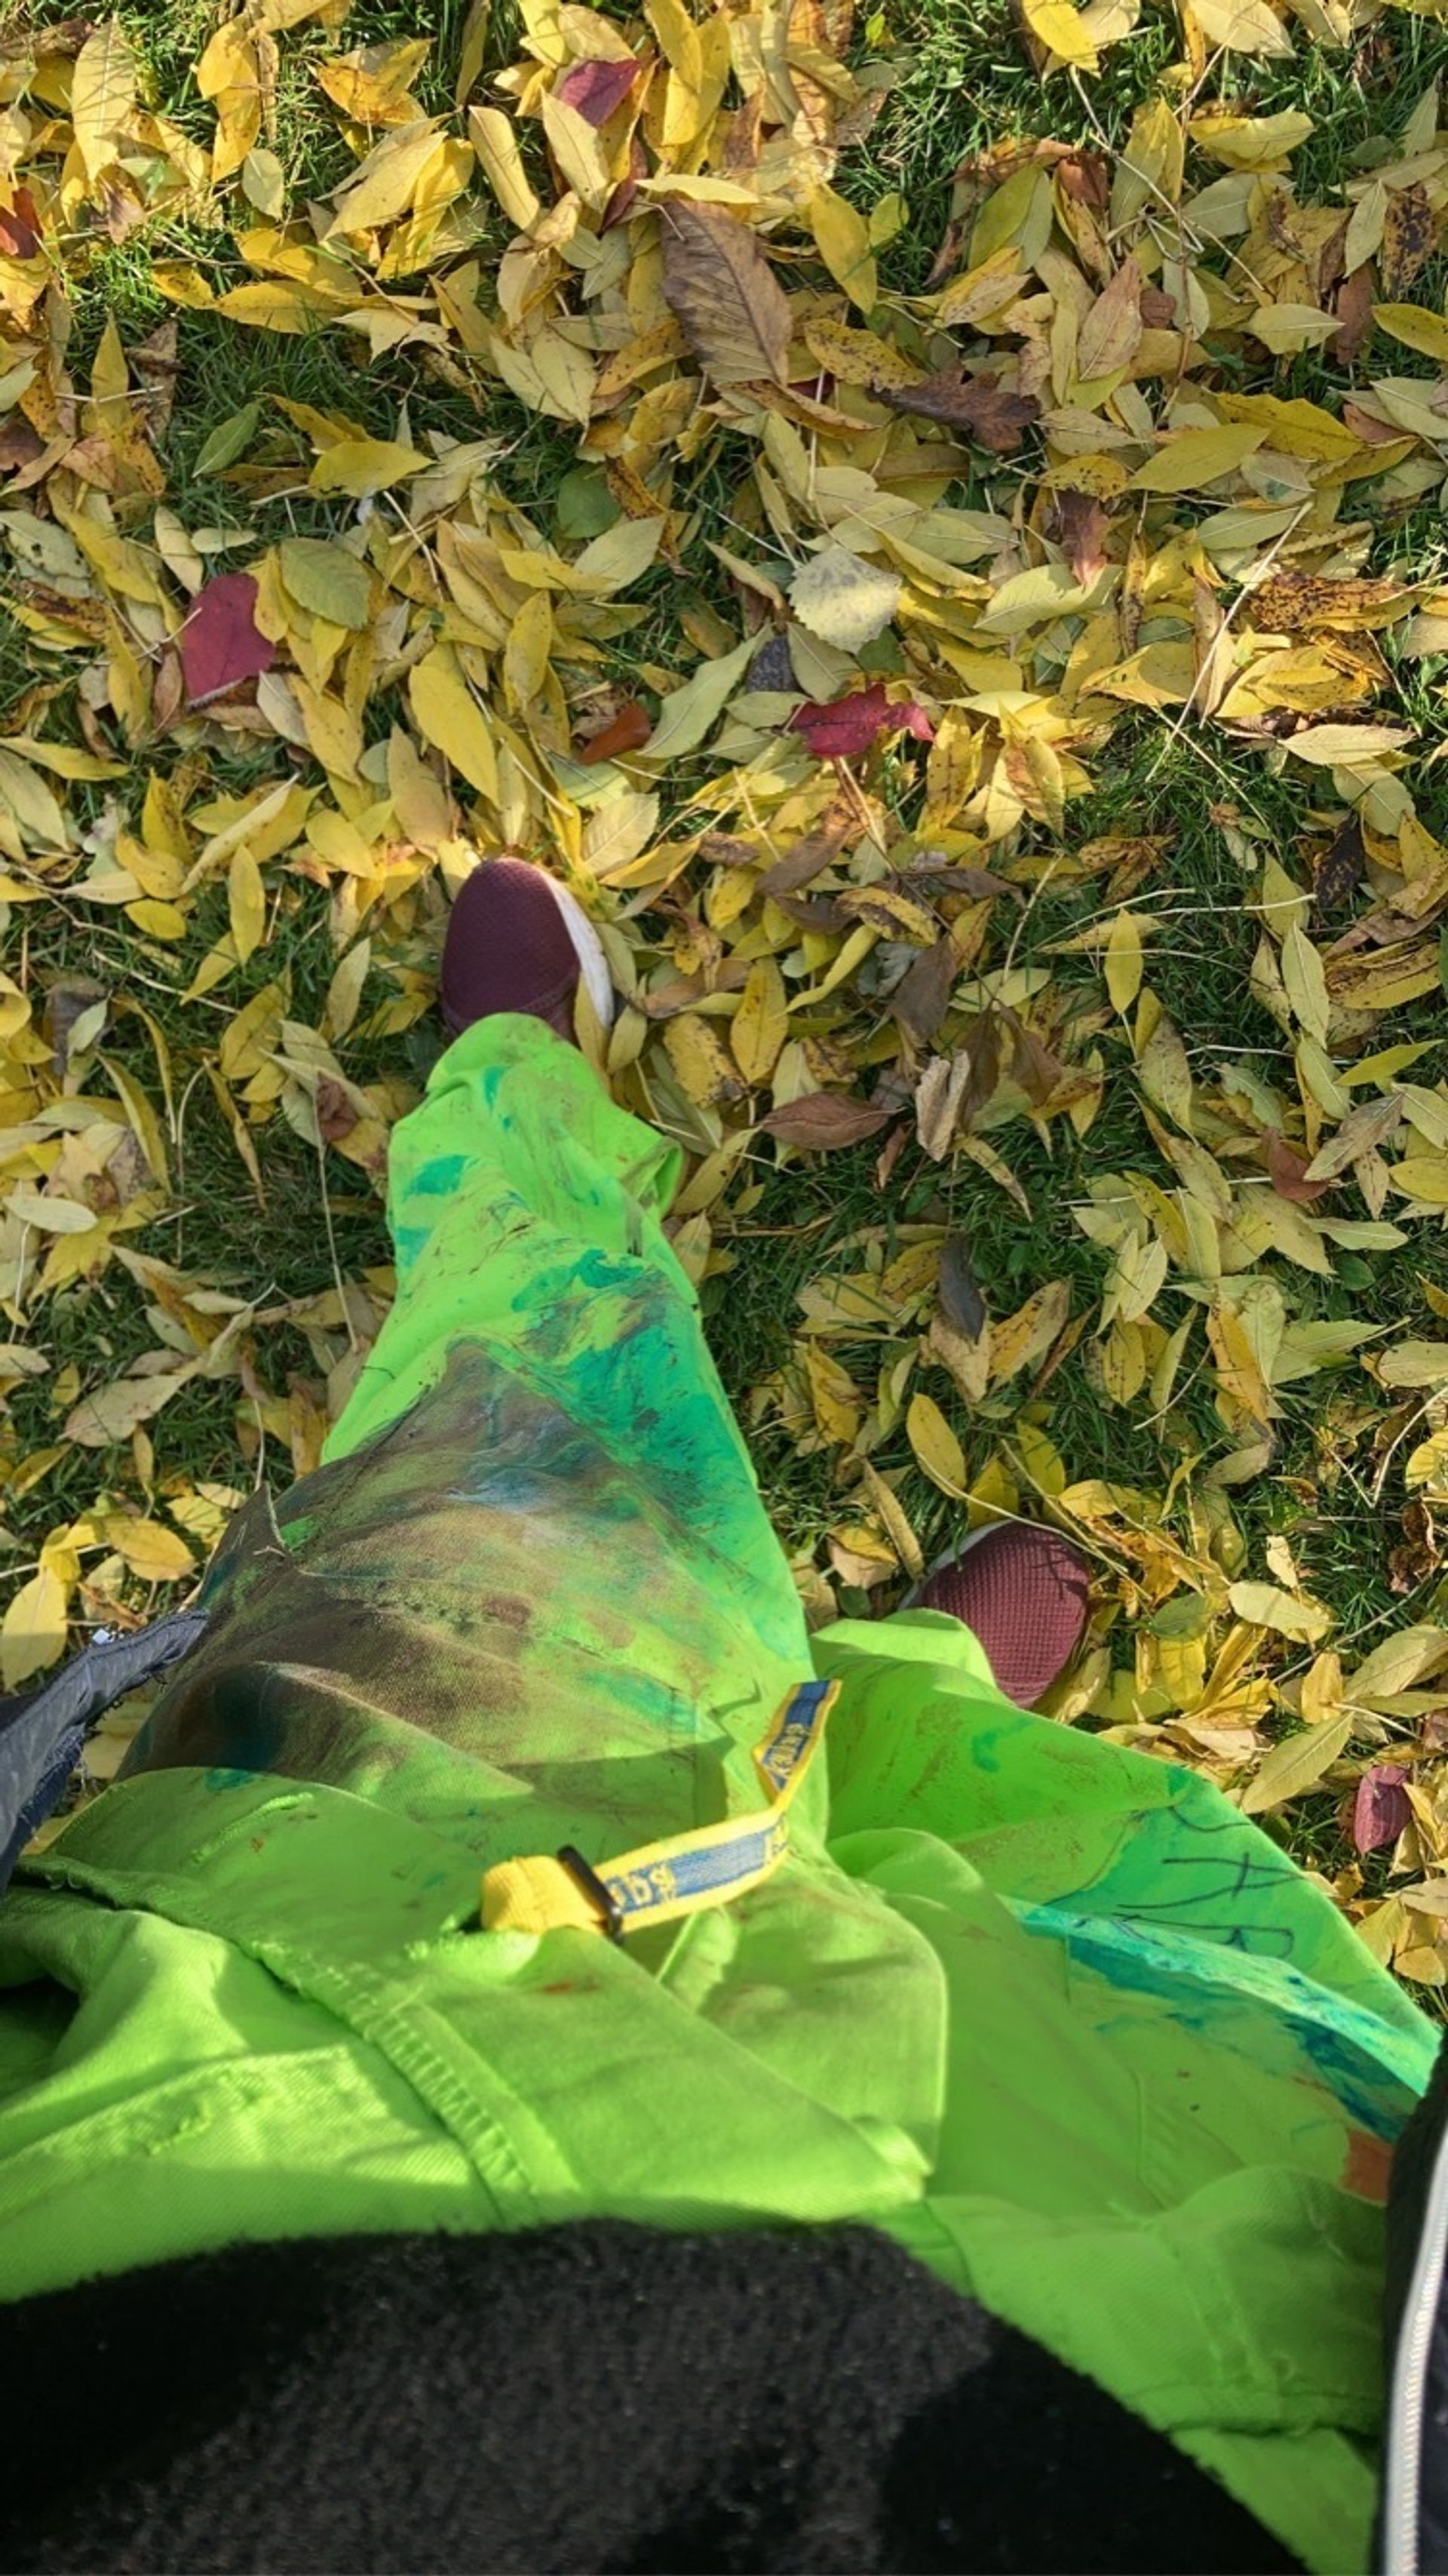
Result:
<point x="1408" y="2398"/>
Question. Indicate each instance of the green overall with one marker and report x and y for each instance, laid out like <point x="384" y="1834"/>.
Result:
<point x="1051" y="2014"/>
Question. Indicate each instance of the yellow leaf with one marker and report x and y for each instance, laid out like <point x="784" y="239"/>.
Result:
<point x="1423" y="1177"/>
<point x="246" y="897"/>
<point x="1416" y="328"/>
<point x="761" y="1023"/>
<point x="834" y="1396"/>
<point x="1322" y="1689"/>
<point x="495" y="142"/>
<point x="1296" y="1764"/>
<point x="32" y="1634"/>
<point x="1123" y="960"/>
<point x="102" y="96"/>
<point x="891" y="1511"/>
<point x="1057" y="26"/>
<point x="450" y="717"/>
<point x="384" y="186"/>
<point x="1286" y="329"/>
<point x="844" y="600"/>
<point x="1254" y="142"/>
<point x="619" y="832"/>
<point x="1414" y="1364"/>
<point x="1193" y="457"/>
<point x="157" y="1554"/>
<point x="344" y="993"/>
<point x="145" y="1125"/>
<point x="1345" y="746"/>
<point x="525" y="655"/>
<point x="1428" y="1463"/>
<point x="49" y="1213"/>
<point x="935" y="1446"/>
<point x="699" y="1061"/>
<point x="842" y="238"/>
<point x="1027" y="1335"/>
<point x="1305" y="980"/>
<point x="333" y="734"/>
<point x="362" y="466"/>
<point x="1243" y="26"/>
<point x="1265" y="1605"/>
<point x="272" y="305"/>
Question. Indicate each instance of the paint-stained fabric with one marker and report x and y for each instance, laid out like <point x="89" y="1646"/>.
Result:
<point x="1051" y="2013"/>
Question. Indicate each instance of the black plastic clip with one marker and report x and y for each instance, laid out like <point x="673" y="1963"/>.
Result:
<point x="592" y="1885"/>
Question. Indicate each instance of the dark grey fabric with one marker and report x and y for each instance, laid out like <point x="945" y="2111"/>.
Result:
<point x="591" y="2397"/>
<point x="42" y="1731"/>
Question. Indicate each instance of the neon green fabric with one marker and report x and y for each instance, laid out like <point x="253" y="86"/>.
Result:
<point x="1052" y="2014"/>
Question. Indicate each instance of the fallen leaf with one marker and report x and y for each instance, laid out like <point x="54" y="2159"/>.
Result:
<point x="843" y="599"/>
<point x="823" y="1120"/>
<point x="596" y="89"/>
<point x="995" y="418"/>
<point x="848" y="727"/>
<point x="221" y="645"/>
<point x="718" y="282"/>
<point x="1381" y="1807"/>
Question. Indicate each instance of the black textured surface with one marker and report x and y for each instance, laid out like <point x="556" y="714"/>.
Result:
<point x="588" y="2397"/>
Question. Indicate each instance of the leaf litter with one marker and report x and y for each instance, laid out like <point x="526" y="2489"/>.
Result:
<point x="847" y="594"/>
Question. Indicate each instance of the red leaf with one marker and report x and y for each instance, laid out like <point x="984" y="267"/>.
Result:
<point x="220" y="642"/>
<point x="594" y="90"/>
<point x="848" y="726"/>
<point x="1381" y="1808"/>
<point x="824" y="1119"/>
<point x="629" y="731"/>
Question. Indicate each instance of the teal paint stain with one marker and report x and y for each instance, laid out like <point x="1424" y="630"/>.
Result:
<point x="438" y="1178"/>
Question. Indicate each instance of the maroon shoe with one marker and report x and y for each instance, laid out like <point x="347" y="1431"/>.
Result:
<point x="518" y="941"/>
<point x="1024" y="1593"/>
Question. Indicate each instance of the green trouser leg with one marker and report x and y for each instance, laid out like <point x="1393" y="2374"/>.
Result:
<point x="1051" y="2013"/>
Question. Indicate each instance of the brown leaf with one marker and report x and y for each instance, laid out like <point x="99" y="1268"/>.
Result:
<point x="961" y="1302"/>
<point x="1080" y="525"/>
<point x="728" y="301"/>
<point x="628" y="731"/>
<point x="1417" y="1554"/>
<point x="810" y="857"/>
<point x="823" y="1120"/>
<point x="922" y="997"/>
<point x="1367" y="426"/>
<point x="18" y="446"/>
<point x="1354" y="310"/>
<point x="1339" y="873"/>
<point x="336" y="1115"/>
<point x="1111" y="332"/>
<point x="1286" y="1167"/>
<point x="994" y="418"/>
<point x="1086" y="176"/>
<point x="1408" y="237"/>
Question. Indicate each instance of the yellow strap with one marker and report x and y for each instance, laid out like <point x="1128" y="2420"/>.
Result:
<point x="662" y="1881"/>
